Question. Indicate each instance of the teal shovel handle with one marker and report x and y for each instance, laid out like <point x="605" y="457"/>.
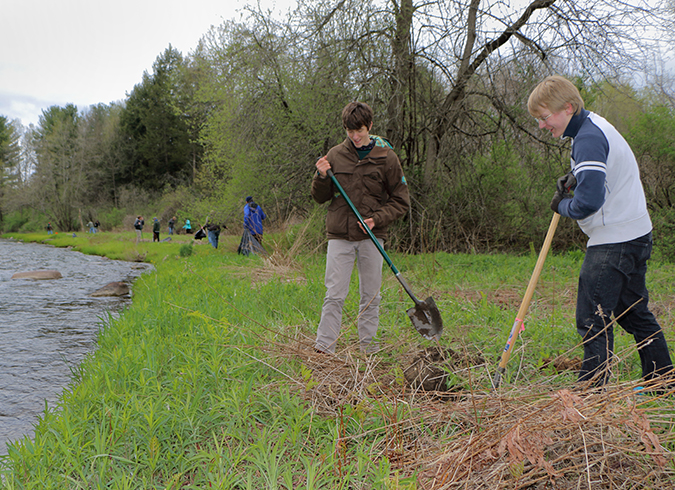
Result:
<point x="372" y="237"/>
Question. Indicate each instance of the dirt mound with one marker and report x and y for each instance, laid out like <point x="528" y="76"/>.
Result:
<point x="430" y="370"/>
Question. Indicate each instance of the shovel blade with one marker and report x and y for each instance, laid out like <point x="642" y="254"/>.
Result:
<point x="427" y="319"/>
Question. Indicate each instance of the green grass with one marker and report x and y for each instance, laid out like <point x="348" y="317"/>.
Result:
<point x="117" y="245"/>
<point x="184" y="392"/>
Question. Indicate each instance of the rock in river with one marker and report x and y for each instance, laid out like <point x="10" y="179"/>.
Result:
<point x="42" y="274"/>
<point x="112" y="289"/>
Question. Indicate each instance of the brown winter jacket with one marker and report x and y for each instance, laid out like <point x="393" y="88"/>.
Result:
<point x="376" y="185"/>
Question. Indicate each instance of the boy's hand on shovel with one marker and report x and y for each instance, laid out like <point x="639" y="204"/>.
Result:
<point x="370" y="222"/>
<point x="322" y="166"/>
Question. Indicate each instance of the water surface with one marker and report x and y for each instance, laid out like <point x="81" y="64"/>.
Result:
<point x="48" y="326"/>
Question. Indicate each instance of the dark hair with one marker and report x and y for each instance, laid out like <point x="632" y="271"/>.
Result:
<point x="355" y="115"/>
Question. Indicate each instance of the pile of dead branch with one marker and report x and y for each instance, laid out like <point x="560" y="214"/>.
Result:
<point x="560" y="440"/>
<point x="539" y="436"/>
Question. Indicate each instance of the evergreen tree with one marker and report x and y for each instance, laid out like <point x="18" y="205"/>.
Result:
<point x="161" y="150"/>
<point x="9" y="160"/>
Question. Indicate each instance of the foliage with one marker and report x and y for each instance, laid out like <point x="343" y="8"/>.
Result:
<point x="110" y="218"/>
<point x="651" y="136"/>
<point x="265" y="106"/>
<point x="60" y="178"/>
<point x="10" y="163"/>
<point x="104" y="147"/>
<point x="162" y="151"/>
<point x="444" y="114"/>
<point x="664" y="233"/>
<point x="24" y="220"/>
<point x="308" y="236"/>
<point x="185" y="250"/>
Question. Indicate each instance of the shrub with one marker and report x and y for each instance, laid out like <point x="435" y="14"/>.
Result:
<point x="664" y="233"/>
<point x="112" y="218"/>
<point x="12" y="222"/>
<point x="26" y="220"/>
<point x="185" y="250"/>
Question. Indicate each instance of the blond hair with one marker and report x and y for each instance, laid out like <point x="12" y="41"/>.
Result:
<point x="554" y="93"/>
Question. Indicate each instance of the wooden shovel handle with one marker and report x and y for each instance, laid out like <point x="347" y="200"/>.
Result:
<point x="525" y="304"/>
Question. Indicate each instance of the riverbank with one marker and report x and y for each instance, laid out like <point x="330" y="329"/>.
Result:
<point x="209" y="380"/>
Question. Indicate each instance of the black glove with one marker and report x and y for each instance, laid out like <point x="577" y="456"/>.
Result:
<point x="563" y="186"/>
<point x="566" y="183"/>
<point x="557" y="197"/>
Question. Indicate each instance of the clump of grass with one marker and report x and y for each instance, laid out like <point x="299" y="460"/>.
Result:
<point x="185" y="250"/>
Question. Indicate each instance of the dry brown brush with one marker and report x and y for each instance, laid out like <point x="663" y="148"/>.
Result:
<point x="540" y="436"/>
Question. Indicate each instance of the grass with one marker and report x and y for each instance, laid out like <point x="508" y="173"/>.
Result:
<point x="209" y="379"/>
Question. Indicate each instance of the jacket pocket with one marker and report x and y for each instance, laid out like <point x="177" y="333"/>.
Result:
<point x="336" y="219"/>
<point x="374" y="184"/>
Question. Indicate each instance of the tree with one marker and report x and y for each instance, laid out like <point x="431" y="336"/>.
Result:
<point x="448" y="82"/>
<point x="273" y="108"/>
<point x="484" y="57"/>
<point x="60" y="174"/>
<point x="154" y="120"/>
<point x="104" y="148"/>
<point x="10" y="152"/>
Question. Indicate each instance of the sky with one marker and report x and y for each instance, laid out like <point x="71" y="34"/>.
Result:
<point x="85" y="52"/>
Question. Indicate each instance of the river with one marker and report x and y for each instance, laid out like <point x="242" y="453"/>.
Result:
<point x="47" y="327"/>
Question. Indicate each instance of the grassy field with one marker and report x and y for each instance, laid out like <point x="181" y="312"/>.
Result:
<point x="209" y="380"/>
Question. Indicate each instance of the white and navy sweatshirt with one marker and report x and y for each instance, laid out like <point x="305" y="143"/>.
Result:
<point x="609" y="201"/>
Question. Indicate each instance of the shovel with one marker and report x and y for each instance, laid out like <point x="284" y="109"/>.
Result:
<point x="520" y="316"/>
<point x="424" y="316"/>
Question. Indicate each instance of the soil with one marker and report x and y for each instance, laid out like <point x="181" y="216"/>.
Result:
<point x="430" y="369"/>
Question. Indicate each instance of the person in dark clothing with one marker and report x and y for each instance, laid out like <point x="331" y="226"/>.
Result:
<point x="155" y="230"/>
<point x="138" y="226"/>
<point x="213" y="230"/>
<point x="172" y="224"/>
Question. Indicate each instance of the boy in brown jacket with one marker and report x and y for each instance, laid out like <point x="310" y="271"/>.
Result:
<point x="371" y="175"/>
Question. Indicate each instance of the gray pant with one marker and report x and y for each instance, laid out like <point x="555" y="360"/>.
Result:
<point x="339" y="266"/>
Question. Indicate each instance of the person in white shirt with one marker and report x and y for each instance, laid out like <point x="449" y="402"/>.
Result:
<point x="609" y="204"/>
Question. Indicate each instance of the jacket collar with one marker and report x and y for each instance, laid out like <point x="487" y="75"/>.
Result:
<point x="379" y="150"/>
<point x="575" y="124"/>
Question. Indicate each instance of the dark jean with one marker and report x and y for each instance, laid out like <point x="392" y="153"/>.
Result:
<point x="612" y="281"/>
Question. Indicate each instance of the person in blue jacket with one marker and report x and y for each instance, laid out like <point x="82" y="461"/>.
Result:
<point x="609" y="204"/>
<point x="253" y="218"/>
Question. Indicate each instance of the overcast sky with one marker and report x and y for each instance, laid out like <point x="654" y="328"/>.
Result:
<point x="55" y="52"/>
